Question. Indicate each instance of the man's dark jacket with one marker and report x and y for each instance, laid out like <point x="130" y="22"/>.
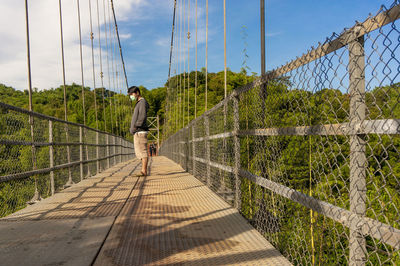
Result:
<point x="139" y="117"/>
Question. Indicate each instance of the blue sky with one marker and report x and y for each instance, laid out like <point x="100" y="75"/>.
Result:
<point x="292" y="27"/>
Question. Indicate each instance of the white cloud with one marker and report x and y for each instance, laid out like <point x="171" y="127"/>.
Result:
<point x="273" y="34"/>
<point x="45" y="42"/>
<point x="125" y="36"/>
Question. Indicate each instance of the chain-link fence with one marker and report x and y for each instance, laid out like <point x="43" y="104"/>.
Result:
<point x="310" y="152"/>
<point x="40" y="155"/>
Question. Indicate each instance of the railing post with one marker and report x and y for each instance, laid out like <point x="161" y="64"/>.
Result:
<point x="124" y="150"/>
<point x="81" y="151"/>
<point x="180" y="143"/>
<point x="108" y="150"/>
<point x="87" y="153"/>
<point x="158" y="134"/>
<point x="119" y="150"/>
<point x="207" y="146"/>
<point x="51" y="157"/>
<point x="115" y="150"/>
<point x="70" y="182"/>
<point x="236" y="128"/>
<point x="358" y="161"/>
<point x="113" y="153"/>
<point x="193" y="152"/>
<point x="186" y="147"/>
<point x="97" y="153"/>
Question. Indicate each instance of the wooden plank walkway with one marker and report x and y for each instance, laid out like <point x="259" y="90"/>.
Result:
<point x="166" y="218"/>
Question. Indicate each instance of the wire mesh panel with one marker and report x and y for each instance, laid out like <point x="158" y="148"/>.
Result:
<point x="317" y="148"/>
<point x="42" y="155"/>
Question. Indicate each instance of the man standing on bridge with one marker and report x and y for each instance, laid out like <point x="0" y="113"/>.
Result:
<point x="139" y="128"/>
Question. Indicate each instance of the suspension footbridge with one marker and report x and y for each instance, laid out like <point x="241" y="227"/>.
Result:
<point x="298" y="166"/>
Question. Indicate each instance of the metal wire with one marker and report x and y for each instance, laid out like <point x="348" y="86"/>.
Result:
<point x="309" y="152"/>
<point x="188" y="64"/>
<point x="65" y="92"/>
<point x="33" y="146"/>
<point x="108" y="65"/>
<point x="101" y="66"/>
<point x="195" y="82"/>
<point x="93" y="69"/>
<point x="184" y="63"/>
<point x="206" y="88"/>
<point x="119" y="44"/>
<point x="50" y="143"/>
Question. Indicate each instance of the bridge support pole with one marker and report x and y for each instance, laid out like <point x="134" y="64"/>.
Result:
<point x="236" y="128"/>
<point x="125" y="152"/>
<point x="81" y="151"/>
<point x="70" y="182"/>
<point x="187" y="148"/>
<point x="158" y="134"/>
<point x="120" y="149"/>
<point x="51" y="157"/>
<point x="108" y="150"/>
<point x="125" y="158"/>
<point x="119" y="140"/>
<point x="193" y="152"/>
<point x="208" y="151"/>
<point x="88" y="174"/>
<point x="97" y="153"/>
<point x="114" y="159"/>
<point x="358" y="160"/>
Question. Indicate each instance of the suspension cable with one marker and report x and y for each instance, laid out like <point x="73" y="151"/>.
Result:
<point x="62" y="61"/>
<point x="119" y="43"/>
<point x="184" y="64"/>
<point x="65" y="94"/>
<point x="188" y="49"/>
<point x="225" y="85"/>
<point x="176" y="75"/>
<point x="180" y="62"/>
<point x="31" y="120"/>
<point x="82" y="81"/>
<point x="169" y="69"/>
<point x="28" y="52"/>
<point x="206" y="88"/>
<point x="81" y="60"/>
<point x="108" y="66"/>
<point x="101" y="66"/>
<point x="93" y="70"/>
<point x="195" y="82"/>
<point x="113" y="70"/>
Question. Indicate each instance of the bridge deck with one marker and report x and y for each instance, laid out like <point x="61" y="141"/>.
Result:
<point x="114" y="218"/>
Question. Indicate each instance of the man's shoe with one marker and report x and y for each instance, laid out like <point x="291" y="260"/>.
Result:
<point x="140" y="174"/>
